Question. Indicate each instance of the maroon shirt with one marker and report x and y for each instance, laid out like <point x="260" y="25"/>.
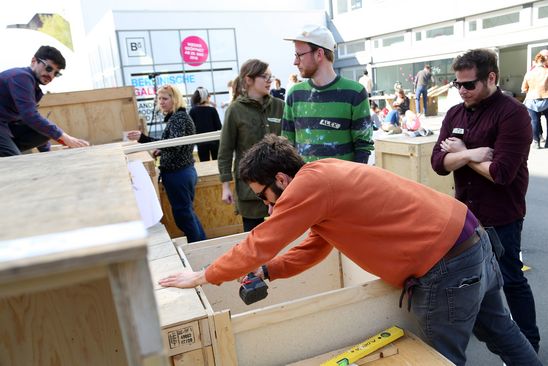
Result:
<point x="502" y="123"/>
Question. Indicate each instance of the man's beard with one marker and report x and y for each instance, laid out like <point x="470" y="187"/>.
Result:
<point x="277" y="192"/>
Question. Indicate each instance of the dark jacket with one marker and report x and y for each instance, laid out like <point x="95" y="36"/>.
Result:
<point x="178" y="124"/>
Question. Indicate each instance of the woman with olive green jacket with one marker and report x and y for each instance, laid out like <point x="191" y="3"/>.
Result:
<point x="252" y="114"/>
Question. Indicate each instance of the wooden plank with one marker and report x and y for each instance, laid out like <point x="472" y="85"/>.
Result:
<point x="325" y="321"/>
<point x="95" y="191"/>
<point x="86" y="96"/>
<point x="74" y="325"/>
<point x="323" y="277"/>
<point x="199" y="357"/>
<point x="225" y="339"/>
<point x="387" y="351"/>
<point x="136" y="309"/>
<point x="178" y="141"/>
<point x="99" y="116"/>
<point x="163" y="267"/>
<point x="414" y="352"/>
<point x="178" y="306"/>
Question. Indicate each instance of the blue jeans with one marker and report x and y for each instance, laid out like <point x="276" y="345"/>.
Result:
<point x="535" y="123"/>
<point x="516" y="288"/>
<point x="179" y="187"/>
<point x="421" y="90"/>
<point x="393" y="118"/>
<point x="461" y="296"/>
<point x="24" y="138"/>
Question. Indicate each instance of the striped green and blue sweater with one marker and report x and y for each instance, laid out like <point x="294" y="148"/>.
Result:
<point x="332" y="121"/>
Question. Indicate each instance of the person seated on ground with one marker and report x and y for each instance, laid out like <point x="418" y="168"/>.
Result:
<point x="400" y="106"/>
<point x="376" y="116"/>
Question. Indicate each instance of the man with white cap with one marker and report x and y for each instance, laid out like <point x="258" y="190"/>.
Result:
<point x="328" y="116"/>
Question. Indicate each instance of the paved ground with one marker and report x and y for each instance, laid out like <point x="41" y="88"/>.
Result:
<point x="534" y="247"/>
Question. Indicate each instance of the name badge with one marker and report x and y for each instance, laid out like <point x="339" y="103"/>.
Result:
<point x="274" y="120"/>
<point x="458" y="131"/>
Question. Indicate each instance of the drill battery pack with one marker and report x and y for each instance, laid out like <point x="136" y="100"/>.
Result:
<point x="253" y="289"/>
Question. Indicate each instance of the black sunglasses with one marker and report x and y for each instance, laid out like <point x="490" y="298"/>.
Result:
<point x="50" y="68"/>
<point x="468" y="85"/>
<point x="261" y="195"/>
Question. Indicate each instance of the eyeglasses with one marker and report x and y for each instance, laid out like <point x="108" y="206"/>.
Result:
<point x="50" y="68"/>
<point x="468" y="85"/>
<point x="266" y="77"/>
<point x="261" y="195"/>
<point x="299" y="55"/>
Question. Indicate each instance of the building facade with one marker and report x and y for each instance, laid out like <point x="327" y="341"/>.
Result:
<point x="395" y="39"/>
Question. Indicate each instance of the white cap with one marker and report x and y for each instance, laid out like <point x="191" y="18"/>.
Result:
<point x="316" y="34"/>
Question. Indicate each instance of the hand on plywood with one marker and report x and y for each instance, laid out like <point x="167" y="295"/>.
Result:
<point x="185" y="279"/>
<point x="70" y="141"/>
<point x="134" y="135"/>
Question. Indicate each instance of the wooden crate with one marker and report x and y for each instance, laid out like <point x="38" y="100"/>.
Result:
<point x="75" y="285"/>
<point x="302" y="317"/>
<point x="218" y="218"/>
<point x="99" y="116"/>
<point x="184" y="318"/>
<point x="409" y="157"/>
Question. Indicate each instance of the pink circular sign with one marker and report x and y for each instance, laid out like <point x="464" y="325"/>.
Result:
<point x="194" y="51"/>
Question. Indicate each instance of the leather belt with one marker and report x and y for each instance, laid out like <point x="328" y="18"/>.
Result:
<point x="458" y="249"/>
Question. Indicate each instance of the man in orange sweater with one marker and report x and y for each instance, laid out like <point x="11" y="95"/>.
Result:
<point x="407" y="234"/>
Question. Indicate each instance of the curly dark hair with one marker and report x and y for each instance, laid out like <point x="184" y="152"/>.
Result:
<point x="271" y="155"/>
<point x="484" y="60"/>
<point x="53" y="54"/>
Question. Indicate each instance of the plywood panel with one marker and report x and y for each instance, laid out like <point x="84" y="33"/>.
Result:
<point x="409" y="157"/>
<point x="217" y="218"/>
<point x="323" y="277"/>
<point x="99" y="116"/>
<point x="68" y="326"/>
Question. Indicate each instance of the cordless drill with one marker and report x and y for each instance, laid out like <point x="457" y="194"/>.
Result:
<point x="253" y="289"/>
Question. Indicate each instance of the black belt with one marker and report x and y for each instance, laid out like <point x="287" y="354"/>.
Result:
<point x="460" y="248"/>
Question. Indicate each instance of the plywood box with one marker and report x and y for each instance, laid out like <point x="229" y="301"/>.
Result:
<point x="75" y="285"/>
<point x="184" y="319"/>
<point x="218" y="219"/>
<point x="302" y="317"/>
<point x="409" y="157"/>
<point x="99" y="116"/>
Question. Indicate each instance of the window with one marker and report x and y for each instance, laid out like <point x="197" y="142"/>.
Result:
<point x="543" y="12"/>
<point x="342" y="6"/>
<point x="355" y="4"/>
<point x="500" y="20"/>
<point x="376" y="43"/>
<point x="437" y="32"/>
<point x="354" y="47"/>
<point x="418" y="36"/>
<point x="389" y="41"/>
<point x="472" y="26"/>
<point x="350" y="48"/>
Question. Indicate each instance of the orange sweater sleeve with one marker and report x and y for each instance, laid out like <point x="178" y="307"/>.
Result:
<point x="304" y="203"/>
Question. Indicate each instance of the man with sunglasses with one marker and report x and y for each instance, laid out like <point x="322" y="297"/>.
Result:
<point x="327" y="116"/>
<point x="408" y="234"/>
<point x="21" y="126"/>
<point x="485" y="142"/>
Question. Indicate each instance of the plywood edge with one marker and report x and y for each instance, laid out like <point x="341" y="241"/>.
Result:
<point x="224" y="338"/>
<point x="55" y="252"/>
<point x="86" y="96"/>
<point x="309" y="305"/>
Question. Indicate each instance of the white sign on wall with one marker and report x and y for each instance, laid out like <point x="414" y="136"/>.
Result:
<point x="136" y="47"/>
